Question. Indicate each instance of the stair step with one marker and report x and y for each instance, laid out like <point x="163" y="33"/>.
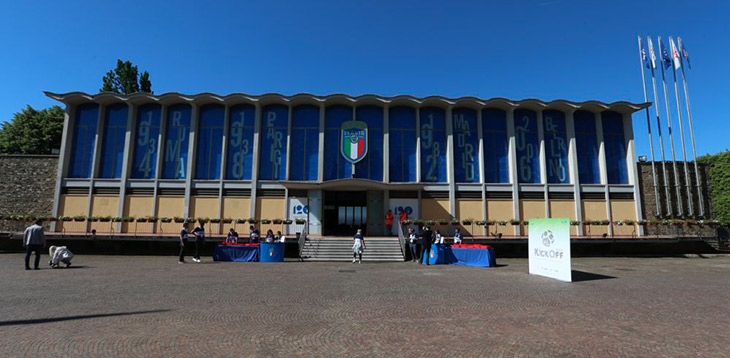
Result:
<point x="340" y="250"/>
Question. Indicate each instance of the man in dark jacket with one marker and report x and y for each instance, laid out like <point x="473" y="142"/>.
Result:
<point x="34" y="240"/>
<point x="426" y="241"/>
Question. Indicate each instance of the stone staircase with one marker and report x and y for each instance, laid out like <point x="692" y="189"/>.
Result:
<point x="379" y="249"/>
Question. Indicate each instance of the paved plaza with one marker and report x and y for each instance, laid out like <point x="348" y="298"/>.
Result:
<point x="150" y="306"/>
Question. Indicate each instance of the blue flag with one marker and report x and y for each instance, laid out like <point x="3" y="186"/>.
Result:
<point x="645" y="58"/>
<point x="666" y="60"/>
<point x="683" y="51"/>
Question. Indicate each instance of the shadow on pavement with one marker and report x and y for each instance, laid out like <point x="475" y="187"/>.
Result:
<point x="579" y="276"/>
<point x="71" y="318"/>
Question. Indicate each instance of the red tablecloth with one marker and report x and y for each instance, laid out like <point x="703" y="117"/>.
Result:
<point x="224" y="244"/>
<point x="470" y="246"/>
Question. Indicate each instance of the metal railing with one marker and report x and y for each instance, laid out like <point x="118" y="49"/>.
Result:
<point x="401" y="239"/>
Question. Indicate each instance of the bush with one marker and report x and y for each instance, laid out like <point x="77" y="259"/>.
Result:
<point x="265" y="221"/>
<point x="240" y="221"/>
<point x="719" y="183"/>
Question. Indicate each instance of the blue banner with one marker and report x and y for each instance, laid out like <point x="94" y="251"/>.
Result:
<point x="177" y="141"/>
<point x="112" y="143"/>
<point x="240" y="142"/>
<point x="556" y="146"/>
<point x="433" y="144"/>
<point x="402" y="142"/>
<point x="83" y="141"/>
<point x="210" y="142"/>
<point x="304" y="143"/>
<point x="494" y="136"/>
<point x="526" y="139"/>
<point x="466" y="145"/>
<point x="371" y="167"/>
<point x="146" y="142"/>
<point x="274" y="128"/>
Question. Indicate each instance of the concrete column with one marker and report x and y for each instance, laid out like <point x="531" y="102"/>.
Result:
<point x="288" y="142"/>
<point x="513" y="178"/>
<point x="192" y="144"/>
<point x="480" y="136"/>
<point x="602" y="167"/>
<point x="127" y="158"/>
<point x="450" y="160"/>
<point x="632" y="170"/>
<point x="160" y="157"/>
<point x="96" y="157"/>
<point x="573" y="166"/>
<point x="320" y="161"/>
<point x="63" y="157"/>
<point x="543" y="162"/>
<point x="256" y="159"/>
<point x="418" y="148"/>
<point x="386" y="149"/>
<point x="224" y="162"/>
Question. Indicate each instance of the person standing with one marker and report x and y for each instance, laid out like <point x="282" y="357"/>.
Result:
<point x="183" y="240"/>
<point x="279" y="237"/>
<point x="457" y="237"/>
<point x="34" y="240"/>
<point x="232" y="237"/>
<point x="253" y="235"/>
<point x="403" y="216"/>
<point x="389" y="223"/>
<point x="439" y="239"/>
<point x="358" y="246"/>
<point x="426" y="241"/>
<point x="199" y="233"/>
<point x="413" y="244"/>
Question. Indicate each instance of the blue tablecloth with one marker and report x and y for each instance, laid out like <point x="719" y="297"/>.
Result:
<point x="236" y="253"/>
<point x="443" y="255"/>
<point x="272" y="252"/>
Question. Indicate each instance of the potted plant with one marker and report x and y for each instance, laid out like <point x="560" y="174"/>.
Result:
<point x="189" y="220"/>
<point x="117" y="219"/>
<point x="443" y="221"/>
<point x="253" y="220"/>
<point x="266" y="221"/>
<point x="79" y="218"/>
<point x="127" y="219"/>
<point x="629" y="222"/>
<point x="214" y="221"/>
<point x="525" y="222"/>
<point x="178" y="219"/>
<point x="288" y="222"/>
<point x="454" y="222"/>
<point x="514" y="222"/>
<point x="575" y="222"/>
<point x="65" y="218"/>
<point x="418" y="222"/>
<point x="300" y="221"/>
<point x="105" y="219"/>
<point x="277" y="221"/>
<point x="141" y="220"/>
<point x="503" y="222"/>
<point x="226" y="220"/>
<point x="165" y="219"/>
<point x="93" y="218"/>
<point x="202" y="220"/>
<point x="430" y="222"/>
<point x="240" y="221"/>
<point x="481" y="223"/>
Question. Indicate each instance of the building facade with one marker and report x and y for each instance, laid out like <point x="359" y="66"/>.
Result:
<point x="342" y="162"/>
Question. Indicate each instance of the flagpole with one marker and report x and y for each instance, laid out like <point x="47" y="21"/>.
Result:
<point x="671" y="136"/>
<point x="692" y="137"/>
<point x="659" y="129"/>
<point x="658" y="212"/>
<point x="688" y="182"/>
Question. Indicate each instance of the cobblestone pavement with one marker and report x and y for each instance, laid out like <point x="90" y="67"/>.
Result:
<point x="139" y="306"/>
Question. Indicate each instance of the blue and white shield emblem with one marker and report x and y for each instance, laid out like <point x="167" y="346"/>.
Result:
<point x="354" y="141"/>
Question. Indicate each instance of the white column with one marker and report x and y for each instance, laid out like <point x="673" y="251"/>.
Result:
<point x="288" y="143"/>
<point x="224" y="162"/>
<point x="602" y="167"/>
<point x="126" y="159"/>
<point x="480" y="155"/>
<point x="573" y="166"/>
<point x="543" y="164"/>
<point x="256" y="158"/>
<point x="631" y="164"/>
<point x="63" y="157"/>
<point x="513" y="178"/>
<point x="450" y="160"/>
<point x="418" y="147"/>
<point x="192" y="144"/>
<point x="160" y="157"/>
<point x="96" y="157"/>
<point x="386" y="148"/>
<point x="320" y="161"/>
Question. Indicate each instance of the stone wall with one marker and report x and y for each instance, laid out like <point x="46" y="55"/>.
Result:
<point x="648" y="199"/>
<point x="27" y="184"/>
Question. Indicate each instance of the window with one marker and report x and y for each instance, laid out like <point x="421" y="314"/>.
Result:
<point x="145" y="142"/>
<point x="586" y="147"/>
<point x="494" y="136"/>
<point x="466" y="145"/>
<point x="433" y="145"/>
<point x="304" y="143"/>
<point x="112" y="143"/>
<point x="177" y="137"/>
<point x="335" y="165"/>
<point x="371" y="167"/>
<point x="274" y="127"/>
<point x="240" y="142"/>
<point x="402" y="142"/>
<point x="613" y="138"/>
<point x="84" y="139"/>
<point x="556" y="147"/>
<point x="528" y="160"/>
<point x="210" y="142"/>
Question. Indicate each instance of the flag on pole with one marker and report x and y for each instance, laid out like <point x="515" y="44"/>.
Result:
<point x="666" y="60"/>
<point x="644" y="57"/>
<point x="683" y="50"/>
<point x="675" y="54"/>
<point x="652" y="55"/>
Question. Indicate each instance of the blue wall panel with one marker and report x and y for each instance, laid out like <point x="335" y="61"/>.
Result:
<point x="177" y="138"/>
<point x="209" y="153"/>
<point x="466" y="145"/>
<point x="586" y="144"/>
<point x="402" y="141"/>
<point x="112" y="143"/>
<point x="146" y="139"/>
<point x="274" y="128"/>
<point x="83" y="141"/>
<point x="433" y="144"/>
<point x="526" y="139"/>
<point x="335" y="166"/>
<point x="304" y="143"/>
<point x="371" y="167"/>
<point x="240" y="142"/>
<point x="556" y="147"/>
<point x="494" y="135"/>
<point x="613" y="137"/>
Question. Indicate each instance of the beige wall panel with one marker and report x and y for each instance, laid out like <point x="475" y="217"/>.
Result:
<point x="170" y="206"/>
<point x="270" y="208"/>
<point x="469" y="209"/>
<point x="435" y="209"/>
<point x="564" y="209"/>
<point x="594" y="210"/>
<point x="236" y="208"/>
<point x="104" y="206"/>
<point x="137" y="206"/>
<point x="623" y="210"/>
<point x="531" y="209"/>
<point x="500" y="210"/>
<point x="71" y="205"/>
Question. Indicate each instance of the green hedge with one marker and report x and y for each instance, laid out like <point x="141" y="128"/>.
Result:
<point x="719" y="183"/>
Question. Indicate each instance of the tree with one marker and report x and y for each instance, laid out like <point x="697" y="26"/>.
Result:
<point x="126" y="79"/>
<point x="32" y="131"/>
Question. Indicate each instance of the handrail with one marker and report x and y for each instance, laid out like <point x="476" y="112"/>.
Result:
<point x="303" y="238"/>
<point x="401" y="239"/>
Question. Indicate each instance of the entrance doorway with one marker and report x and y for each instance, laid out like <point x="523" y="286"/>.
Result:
<point x="345" y="212"/>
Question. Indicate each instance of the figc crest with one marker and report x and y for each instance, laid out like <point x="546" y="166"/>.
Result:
<point x="354" y="140"/>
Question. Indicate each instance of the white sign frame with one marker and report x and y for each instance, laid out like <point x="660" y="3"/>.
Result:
<point x="549" y="248"/>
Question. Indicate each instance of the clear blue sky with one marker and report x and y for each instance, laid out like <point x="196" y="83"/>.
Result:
<point x="546" y="49"/>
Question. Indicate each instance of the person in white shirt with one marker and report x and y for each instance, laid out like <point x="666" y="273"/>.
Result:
<point x="280" y="237"/>
<point x="413" y="244"/>
<point x="457" y="237"/>
<point x="439" y="238"/>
